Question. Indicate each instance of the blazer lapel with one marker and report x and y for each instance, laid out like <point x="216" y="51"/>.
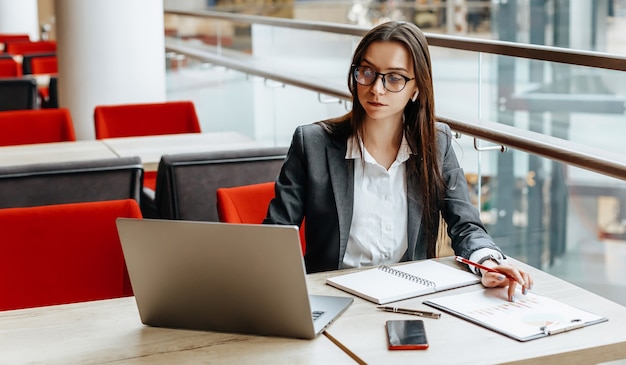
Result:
<point x="342" y="179"/>
<point x="414" y="221"/>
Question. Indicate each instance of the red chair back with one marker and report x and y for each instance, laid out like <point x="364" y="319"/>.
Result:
<point x="14" y="37"/>
<point x="36" y="126"/>
<point x="130" y="120"/>
<point x="10" y="68"/>
<point x="65" y="253"/>
<point x="44" y="65"/>
<point x="248" y="204"/>
<point x="21" y="48"/>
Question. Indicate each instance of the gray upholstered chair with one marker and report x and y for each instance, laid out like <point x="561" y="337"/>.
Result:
<point x="18" y="93"/>
<point x="70" y="182"/>
<point x="186" y="183"/>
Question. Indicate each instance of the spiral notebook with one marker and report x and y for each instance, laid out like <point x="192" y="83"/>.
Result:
<point x="385" y="284"/>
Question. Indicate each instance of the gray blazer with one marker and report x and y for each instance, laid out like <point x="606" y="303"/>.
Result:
<point x="316" y="182"/>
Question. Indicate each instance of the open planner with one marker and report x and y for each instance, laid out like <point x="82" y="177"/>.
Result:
<point x="530" y="317"/>
<point x="385" y="284"/>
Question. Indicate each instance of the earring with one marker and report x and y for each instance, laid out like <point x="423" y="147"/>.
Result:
<point x="415" y="96"/>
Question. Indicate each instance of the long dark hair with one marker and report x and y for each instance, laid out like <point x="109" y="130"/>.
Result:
<point x="419" y="119"/>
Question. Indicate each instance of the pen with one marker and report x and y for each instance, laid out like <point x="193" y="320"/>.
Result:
<point x="414" y="312"/>
<point x="475" y="264"/>
<point x="555" y="328"/>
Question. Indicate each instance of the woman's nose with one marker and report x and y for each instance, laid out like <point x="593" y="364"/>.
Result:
<point x="378" y="86"/>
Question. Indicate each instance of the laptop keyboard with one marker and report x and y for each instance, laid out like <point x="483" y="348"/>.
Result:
<point x="317" y="314"/>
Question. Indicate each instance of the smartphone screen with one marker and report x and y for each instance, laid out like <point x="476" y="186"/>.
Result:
<point x="406" y="335"/>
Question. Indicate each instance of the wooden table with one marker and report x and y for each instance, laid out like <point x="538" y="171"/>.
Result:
<point x="54" y="152"/>
<point x="111" y="331"/>
<point x="151" y="148"/>
<point x="456" y="341"/>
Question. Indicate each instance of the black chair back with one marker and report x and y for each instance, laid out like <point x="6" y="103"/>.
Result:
<point x="70" y="182"/>
<point x="187" y="183"/>
<point x="53" y="94"/>
<point x="18" y="93"/>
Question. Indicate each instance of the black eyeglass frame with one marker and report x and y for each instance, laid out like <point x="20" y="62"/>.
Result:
<point x="355" y="72"/>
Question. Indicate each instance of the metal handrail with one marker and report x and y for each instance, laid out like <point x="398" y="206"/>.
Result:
<point x="536" y="52"/>
<point x="571" y="153"/>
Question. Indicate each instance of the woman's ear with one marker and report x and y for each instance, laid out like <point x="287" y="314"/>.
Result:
<point x="414" y="97"/>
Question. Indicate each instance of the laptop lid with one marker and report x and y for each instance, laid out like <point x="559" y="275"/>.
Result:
<point x="241" y="278"/>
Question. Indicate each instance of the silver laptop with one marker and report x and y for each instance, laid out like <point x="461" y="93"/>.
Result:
<point x="241" y="278"/>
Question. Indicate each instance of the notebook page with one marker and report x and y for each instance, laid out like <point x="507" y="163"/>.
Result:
<point x="378" y="286"/>
<point x="381" y="286"/>
<point x="444" y="276"/>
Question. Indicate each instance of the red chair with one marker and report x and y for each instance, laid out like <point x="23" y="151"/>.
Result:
<point x="10" y="68"/>
<point x="248" y="204"/>
<point x="44" y="65"/>
<point x="14" y="37"/>
<point x="22" y="48"/>
<point x="36" y="126"/>
<point x="132" y="120"/>
<point x="65" y="253"/>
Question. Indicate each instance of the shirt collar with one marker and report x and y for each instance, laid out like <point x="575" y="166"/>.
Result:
<point x="355" y="145"/>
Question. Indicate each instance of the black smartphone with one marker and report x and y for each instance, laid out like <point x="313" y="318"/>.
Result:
<point x="408" y="334"/>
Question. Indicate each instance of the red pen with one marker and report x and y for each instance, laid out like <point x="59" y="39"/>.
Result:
<point x="475" y="264"/>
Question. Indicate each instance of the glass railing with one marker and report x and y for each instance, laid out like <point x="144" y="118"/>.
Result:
<point x="582" y="104"/>
<point x="551" y="199"/>
<point x="563" y="23"/>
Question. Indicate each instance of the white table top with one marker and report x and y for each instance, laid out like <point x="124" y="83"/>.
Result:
<point x="151" y="148"/>
<point x="43" y="80"/>
<point x="456" y="341"/>
<point x="54" y="152"/>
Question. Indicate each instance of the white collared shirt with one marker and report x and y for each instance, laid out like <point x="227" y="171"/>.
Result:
<point x="378" y="233"/>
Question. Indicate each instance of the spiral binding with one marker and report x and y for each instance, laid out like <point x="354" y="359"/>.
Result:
<point x="404" y="275"/>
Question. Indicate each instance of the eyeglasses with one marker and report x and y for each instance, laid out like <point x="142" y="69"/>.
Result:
<point x="392" y="81"/>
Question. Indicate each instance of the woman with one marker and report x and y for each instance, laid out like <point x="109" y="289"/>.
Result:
<point x="373" y="183"/>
